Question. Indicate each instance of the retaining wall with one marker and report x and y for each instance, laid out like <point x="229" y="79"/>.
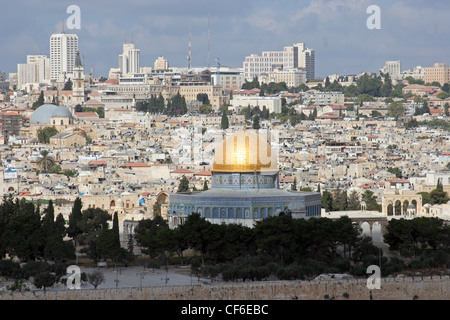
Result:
<point x="421" y="288"/>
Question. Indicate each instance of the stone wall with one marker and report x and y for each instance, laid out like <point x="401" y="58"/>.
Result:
<point x="421" y="288"/>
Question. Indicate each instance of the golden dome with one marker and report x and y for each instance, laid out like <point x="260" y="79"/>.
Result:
<point x="244" y="151"/>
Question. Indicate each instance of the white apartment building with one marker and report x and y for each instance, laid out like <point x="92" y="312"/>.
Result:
<point x="26" y="73"/>
<point x="63" y="51"/>
<point x="292" y="77"/>
<point x="295" y="56"/>
<point x="42" y="63"/>
<point x="129" y="60"/>
<point x="417" y="73"/>
<point x="227" y="77"/>
<point x="323" y="98"/>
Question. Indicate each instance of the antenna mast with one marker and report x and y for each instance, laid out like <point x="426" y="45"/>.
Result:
<point x="189" y="50"/>
<point x="209" y="40"/>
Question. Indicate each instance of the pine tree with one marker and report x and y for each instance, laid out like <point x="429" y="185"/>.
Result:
<point x="116" y="230"/>
<point x="224" y="124"/>
<point x="184" y="185"/>
<point x="256" y="124"/>
<point x="75" y="218"/>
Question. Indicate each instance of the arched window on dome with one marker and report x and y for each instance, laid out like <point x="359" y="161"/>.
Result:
<point x="215" y="213"/>
<point x="255" y="213"/>
<point x="239" y="213"/>
<point x="270" y="212"/>
<point x="207" y="213"/>
<point x="230" y="213"/>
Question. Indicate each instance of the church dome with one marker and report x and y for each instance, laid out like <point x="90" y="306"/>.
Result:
<point x="44" y="114"/>
<point x="245" y="151"/>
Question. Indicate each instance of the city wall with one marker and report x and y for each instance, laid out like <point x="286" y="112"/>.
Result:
<point x="421" y="288"/>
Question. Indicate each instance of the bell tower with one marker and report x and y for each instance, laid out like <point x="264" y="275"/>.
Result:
<point x="78" y="81"/>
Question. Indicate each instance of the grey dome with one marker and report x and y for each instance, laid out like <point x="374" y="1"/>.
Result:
<point x="411" y="206"/>
<point x="43" y="114"/>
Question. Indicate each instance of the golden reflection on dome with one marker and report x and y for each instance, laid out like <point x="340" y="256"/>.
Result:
<point x="244" y="151"/>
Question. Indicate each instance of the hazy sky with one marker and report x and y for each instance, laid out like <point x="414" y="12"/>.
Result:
<point x="413" y="31"/>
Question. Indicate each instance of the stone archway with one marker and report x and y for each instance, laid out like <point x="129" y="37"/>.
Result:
<point x="397" y="199"/>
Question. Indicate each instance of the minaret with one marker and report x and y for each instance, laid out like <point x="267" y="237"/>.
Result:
<point x="78" y="81"/>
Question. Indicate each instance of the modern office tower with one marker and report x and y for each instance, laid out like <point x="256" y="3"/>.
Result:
<point x="42" y="63"/>
<point x="63" y="51"/>
<point x="129" y="59"/>
<point x="295" y="56"/>
<point x="306" y="60"/>
<point x="440" y="72"/>
<point x="26" y="73"/>
<point x="393" y="68"/>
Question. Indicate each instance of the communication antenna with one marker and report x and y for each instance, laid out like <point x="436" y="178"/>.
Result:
<point x="218" y="72"/>
<point x="63" y="23"/>
<point x="209" y="40"/>
<point x="189" y="50"/>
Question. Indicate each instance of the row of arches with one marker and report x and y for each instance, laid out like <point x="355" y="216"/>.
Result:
<point x="399" y="208"/>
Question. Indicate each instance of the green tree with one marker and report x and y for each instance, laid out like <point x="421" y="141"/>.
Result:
<point x="203" y="98"/>
<point x="184" y="185"/>
<point x="45" y="162"/>
<point x="327" y="201"/>
<point x="75" y="218"/>
<point x="68" y="85"/>
<point x="224" y="124"/>
<point x="256" y="124"/>
<point x="274" y="236"/>
<point x="23" y="236"/>
<point x="371" y="201"/>
<point x="44" y="280"/>
<point x="39" y="102"/>
<point x="438" y="195"/>
<point x="396" y="110"/>
<point x="96" y="278"/>
<point x="146" y="235"/>
<point x="397" y="171"/>
<point x="353" y="201"/>
<point x="44" y="134"/>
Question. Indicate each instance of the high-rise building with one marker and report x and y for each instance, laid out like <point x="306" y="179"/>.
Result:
<point x="440" y="72"/>
<point x="26" y="73"/>
<point x="63" y="51"/>
<point x="292" y="57"/>
<point x="42" y="63"/>
<point x="129" y="59"/>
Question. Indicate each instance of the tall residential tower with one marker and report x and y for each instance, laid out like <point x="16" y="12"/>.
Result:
<point x="129" y="59"/>
<point x="63" y="52"/>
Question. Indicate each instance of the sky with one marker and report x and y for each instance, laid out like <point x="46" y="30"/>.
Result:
<point x="416" y="32"/>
